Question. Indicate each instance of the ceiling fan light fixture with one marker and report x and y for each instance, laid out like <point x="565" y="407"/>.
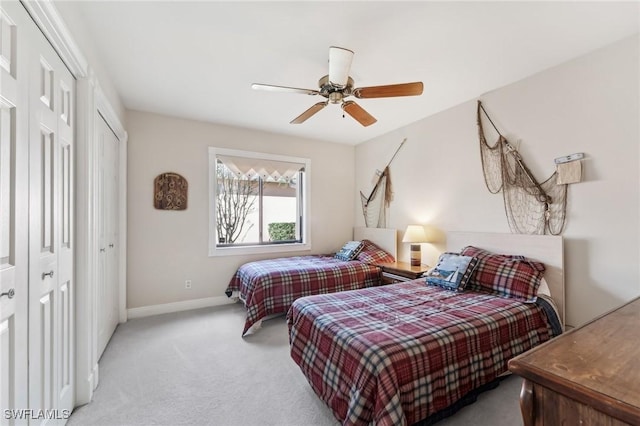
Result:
<point x="339" y="65"/>
<point x="335" y="97"/>
<point x="336" y="86"/>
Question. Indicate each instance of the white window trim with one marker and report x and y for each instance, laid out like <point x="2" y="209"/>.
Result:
<point x="257" y="249"/>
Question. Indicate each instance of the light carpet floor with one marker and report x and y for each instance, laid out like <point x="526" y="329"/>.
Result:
<point x="194" y="368"/>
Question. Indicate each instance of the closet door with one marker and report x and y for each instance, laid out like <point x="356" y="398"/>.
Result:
<point x="108" y="283"/>
<point x="14" y="200"/>
<point x="51" y="284"/>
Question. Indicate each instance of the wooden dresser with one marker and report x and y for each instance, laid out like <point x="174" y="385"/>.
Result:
<point x="587" y="376"/>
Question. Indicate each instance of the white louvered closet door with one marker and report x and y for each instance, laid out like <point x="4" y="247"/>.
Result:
<point x="51" y="285"/>
<point x="14" y="193"/>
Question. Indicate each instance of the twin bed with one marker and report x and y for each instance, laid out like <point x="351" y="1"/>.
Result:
<point x="407" y="353"/>
<point x="269" y="287"/>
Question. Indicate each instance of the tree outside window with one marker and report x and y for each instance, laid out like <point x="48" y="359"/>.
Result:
<point x="235" y="201"/>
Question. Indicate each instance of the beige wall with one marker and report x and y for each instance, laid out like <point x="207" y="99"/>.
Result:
<point x="165" y="248"/>
<point x="587" y="105"/>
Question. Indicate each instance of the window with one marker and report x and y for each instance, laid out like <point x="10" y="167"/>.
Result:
<point x="258" y="202"/>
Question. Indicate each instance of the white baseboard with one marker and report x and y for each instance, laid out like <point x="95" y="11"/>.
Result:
<point x="95" y="378"/>
<point x="186" y="305"/>
<point x="85" y="388"/>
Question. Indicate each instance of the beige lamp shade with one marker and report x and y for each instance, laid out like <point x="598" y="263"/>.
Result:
<point x="415" y="234"/>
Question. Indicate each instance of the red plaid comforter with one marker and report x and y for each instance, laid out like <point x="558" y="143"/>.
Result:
<point x="270" y="286"/>
<point x="394" y="355"/>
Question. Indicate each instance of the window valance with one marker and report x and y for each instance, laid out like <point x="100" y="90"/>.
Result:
<point x="274" y="170"/>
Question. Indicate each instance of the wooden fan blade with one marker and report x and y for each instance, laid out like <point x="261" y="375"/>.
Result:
<point x="272" y="88"/>
<point x="308" y="113"/>
<point x="357" y="112"/>
<point x="339" y="65"/>
<point x="392" y="90"/>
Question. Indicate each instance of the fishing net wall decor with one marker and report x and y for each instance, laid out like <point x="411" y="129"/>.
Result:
<point x="531" y="207"/>
<point x="374" y="206"/>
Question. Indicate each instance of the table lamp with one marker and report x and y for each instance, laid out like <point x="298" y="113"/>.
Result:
<point x="415" y="234"/>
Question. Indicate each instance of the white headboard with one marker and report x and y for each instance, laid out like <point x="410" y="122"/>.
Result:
<point x="547" y="249"/>
<point x="385" y="238"/>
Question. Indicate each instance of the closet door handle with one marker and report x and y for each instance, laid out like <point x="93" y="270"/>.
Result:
<point x="111" y="245"/>
<point x="9" y="293"/>
<point x="102" y="250"/>
<point x="45" y="274"/>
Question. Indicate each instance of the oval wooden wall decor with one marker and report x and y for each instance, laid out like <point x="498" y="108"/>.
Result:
<point x="170" y="192"/>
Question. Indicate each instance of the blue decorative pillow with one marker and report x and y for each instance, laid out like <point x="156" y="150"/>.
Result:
<point x="452" y="271"/>
<point x="350" y="250"/>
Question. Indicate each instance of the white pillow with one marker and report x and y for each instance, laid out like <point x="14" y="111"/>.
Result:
<point x="544" y="288"/>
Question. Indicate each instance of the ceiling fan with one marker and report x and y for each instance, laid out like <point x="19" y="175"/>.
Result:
<point x="337" y="85"/>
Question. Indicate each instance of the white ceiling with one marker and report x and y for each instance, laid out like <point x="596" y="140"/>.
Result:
<point x="197" y="60"/>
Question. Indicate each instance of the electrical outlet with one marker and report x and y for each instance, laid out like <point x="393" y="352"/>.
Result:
<point x="187" y="284"/>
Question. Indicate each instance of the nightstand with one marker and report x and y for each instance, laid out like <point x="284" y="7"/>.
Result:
<point x="400" y="271"/>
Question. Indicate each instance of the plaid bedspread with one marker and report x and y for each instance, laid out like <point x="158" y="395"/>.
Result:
<point x="270" y="286"/>
<point x="394" y="355"/>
